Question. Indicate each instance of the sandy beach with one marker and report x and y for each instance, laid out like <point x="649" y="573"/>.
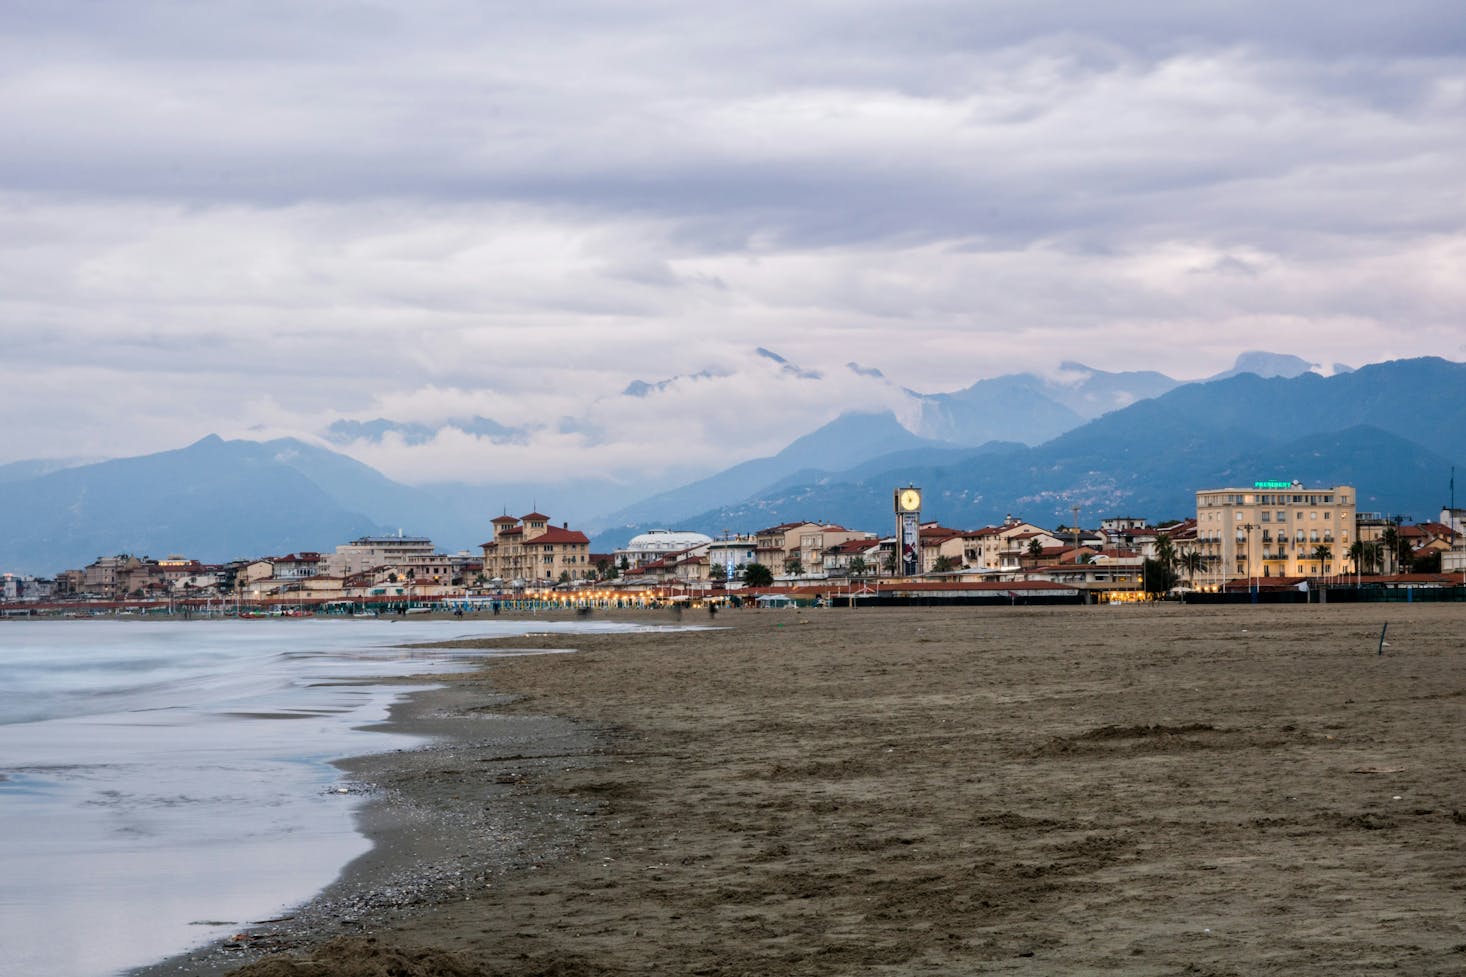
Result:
<point x="1143" y="790"/>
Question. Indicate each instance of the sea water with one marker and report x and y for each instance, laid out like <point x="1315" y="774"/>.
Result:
<point x="166" y="783"/>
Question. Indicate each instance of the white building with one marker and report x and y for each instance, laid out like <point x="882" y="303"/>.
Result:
<point x="369" y="552"/>
<point x="1453" y="560"/>
<point x="658" y="544"/>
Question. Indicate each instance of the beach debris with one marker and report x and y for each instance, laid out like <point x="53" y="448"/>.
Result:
<point x="351" y="787"/>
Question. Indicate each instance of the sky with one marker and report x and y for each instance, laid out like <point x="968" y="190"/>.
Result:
<point x="260" y="219"/>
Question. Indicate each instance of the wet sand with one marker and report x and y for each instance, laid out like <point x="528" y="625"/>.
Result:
<point x="1079" y="790"/>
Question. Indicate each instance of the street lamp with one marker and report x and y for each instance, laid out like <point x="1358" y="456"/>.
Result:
<point x="1251" y="588"/>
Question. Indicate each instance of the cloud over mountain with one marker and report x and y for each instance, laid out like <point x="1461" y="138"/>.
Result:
<point x="264" y="223"/>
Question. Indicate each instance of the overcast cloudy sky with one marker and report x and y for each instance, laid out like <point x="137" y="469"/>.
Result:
<point x="258" y="217"/>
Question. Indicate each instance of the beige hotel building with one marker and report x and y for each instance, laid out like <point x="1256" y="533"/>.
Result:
<point x="1274" y="529"/>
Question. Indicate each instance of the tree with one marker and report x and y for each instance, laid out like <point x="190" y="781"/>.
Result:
<point x="794" y="566"/>
<point x="1323" y="553"/>
<point x="1192" y="562"/>
<point x="716" y="571"/>
<point x="1369" y="556"/>
<point x="1390" y="540"/>
<point x="1404" y="555"/>
<point x="945" y="564"/>
<point x="1165" y="551"/>
<point x="857" y="566"/>
<point x="757" y="575"/>
<point x="1356" y="555"/>
<point x="1158" y="577"/>
<point x="1035" y="549"/>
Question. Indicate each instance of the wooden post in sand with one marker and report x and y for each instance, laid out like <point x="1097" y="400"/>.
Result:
<point x="1382" y="638"/>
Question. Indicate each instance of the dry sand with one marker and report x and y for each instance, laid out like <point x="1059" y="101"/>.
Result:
<point x="1078" y="790"/>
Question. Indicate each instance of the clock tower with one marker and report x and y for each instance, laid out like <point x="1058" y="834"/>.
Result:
<point x="908" y="530"/>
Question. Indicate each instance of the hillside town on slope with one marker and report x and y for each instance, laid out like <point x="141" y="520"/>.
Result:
<point x="1269" y="536"/>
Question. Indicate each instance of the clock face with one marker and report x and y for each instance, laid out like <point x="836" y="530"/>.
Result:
<point x="910" y="500"/>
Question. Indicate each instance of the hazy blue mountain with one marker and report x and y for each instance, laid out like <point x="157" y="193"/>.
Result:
<point x="1010" y="408"/>
<point x="219" y="500"/>
<point x="17" y="471"/>
<point x="1090" y="392"/>
<point x="213" y="500"/>
<point x="1392" y="430"/>
<point x="1032" y="409"/>
<point x="1268" y="365"/>
<point x="848" y="440"/>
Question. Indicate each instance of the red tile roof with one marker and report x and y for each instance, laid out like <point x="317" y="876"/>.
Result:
<point x="555" y="534"/>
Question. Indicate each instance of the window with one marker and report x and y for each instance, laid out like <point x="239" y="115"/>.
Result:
<point x="1327" y="516"/>
<point x="1267" y="517"/>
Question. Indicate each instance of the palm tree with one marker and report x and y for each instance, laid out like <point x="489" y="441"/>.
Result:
<point x="857" y="566"/>
<point x="1191" y="561"/>
<point x="1390" y="540"/>
<point x="1165" y="553"/>
<point x="1323" y="553"/>
<point x="1356" y="554"/>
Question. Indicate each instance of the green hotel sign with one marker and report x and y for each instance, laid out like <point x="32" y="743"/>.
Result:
<point x="1272" y="485"/>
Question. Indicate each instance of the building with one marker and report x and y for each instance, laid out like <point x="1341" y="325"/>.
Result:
<point x="1004" y="547"/>
<point x="816" y="542"/>
<point x="1453" y="560"/>
<point x="370" y="552"/>
<point x="658" y="544"/>
<point x="731" y="554"/>
<point x="1274" y="529"/>
<point x="778" y="546"/>
<point x="528" y="550"/>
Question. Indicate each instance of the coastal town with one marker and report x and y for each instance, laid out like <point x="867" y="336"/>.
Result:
<point x="1271" y="540"/>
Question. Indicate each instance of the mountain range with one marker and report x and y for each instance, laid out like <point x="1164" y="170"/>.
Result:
<point x="1394" y="430"/>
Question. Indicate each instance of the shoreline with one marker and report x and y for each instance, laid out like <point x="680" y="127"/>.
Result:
<point x="432" y="836"/>
<point x="1026" y="791"/>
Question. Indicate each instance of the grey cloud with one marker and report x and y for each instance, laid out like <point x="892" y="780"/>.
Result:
<point x="302" y="213"/>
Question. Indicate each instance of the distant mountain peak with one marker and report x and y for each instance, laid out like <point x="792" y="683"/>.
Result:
<point x="414" y="433"/>
<point x="643" y="388"/>
<point x="788" y="367"/>
<point x="864" y="371"/>
<point x="1268" y="365"/>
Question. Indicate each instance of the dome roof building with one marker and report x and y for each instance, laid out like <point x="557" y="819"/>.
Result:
<point x="658" y="543"/>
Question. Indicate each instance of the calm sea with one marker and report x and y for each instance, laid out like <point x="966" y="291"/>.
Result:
<point x="163" y="783"/>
